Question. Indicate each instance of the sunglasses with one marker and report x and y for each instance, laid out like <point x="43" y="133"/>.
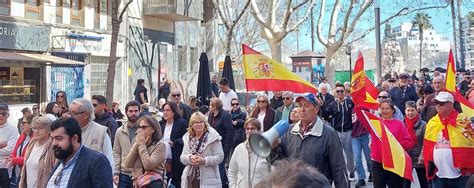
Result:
<point x="235" y="104"/>
<point x="143" y="127"/>
<point x="60" y="96"/>
<point x="383" y="97"/>
<point x="261" y="101"/>
<point x="176" y="95"/>
<point x="440" y="103"/>
<point x="94" y="104"/>
<point x="287" y="98"/>
<point x="3" y="114"/>
<point x="35" y="108"/>
<point x="339" y="91"/>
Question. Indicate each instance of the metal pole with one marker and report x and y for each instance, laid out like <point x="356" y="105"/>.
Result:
<point x="312" y="31"/>
<point x="378" y="47"/>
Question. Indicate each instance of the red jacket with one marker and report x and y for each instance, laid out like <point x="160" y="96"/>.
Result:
<point x="18" y="160"/>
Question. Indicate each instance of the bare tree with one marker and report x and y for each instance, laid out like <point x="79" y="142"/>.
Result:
<point x="274" y="32"/>
<point x="117" y="18"/>
<point x="227" y="19"/>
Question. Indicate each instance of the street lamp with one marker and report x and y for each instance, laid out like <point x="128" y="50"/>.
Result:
<point x="349" y="53"/>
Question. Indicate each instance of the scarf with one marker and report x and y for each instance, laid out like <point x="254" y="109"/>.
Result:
<point x="450" y="120"/>
<point x="197" y="146"/>
<point x="410" y="123"/>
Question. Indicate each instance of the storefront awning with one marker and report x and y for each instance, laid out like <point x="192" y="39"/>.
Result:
<point x="43" y="58"/>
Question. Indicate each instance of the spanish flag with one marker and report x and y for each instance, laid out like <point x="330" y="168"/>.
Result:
<point x="363" y="91"/>
<point x="457" y="129"/>
<point x="450" y="86"/>
<point x="265" y="74"/>
<point x="394" y="158"/>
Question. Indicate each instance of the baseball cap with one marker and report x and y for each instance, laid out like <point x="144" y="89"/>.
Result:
<point x="404" y="76"/>
<point x="3" y="106"/>
<point x="308" y="97"/>
<point x="444" y="96"/>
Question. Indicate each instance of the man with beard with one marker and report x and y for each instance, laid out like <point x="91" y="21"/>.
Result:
<point x="104" y="116"/>
<point x="78" y="166"/>
<point x="124" y="139"/>
<point x="95" y="136"/>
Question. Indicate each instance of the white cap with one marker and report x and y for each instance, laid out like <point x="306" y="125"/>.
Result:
<point x="444" y="96"/>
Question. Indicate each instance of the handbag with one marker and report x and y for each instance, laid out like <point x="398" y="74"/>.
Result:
<point x="147" y="178"/>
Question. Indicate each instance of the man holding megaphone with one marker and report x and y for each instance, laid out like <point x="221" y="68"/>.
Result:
<point x="315" y="143"/>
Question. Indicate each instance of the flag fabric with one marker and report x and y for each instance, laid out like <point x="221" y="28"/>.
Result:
<point x="265" y="74"/>
<point x="363" y="91"/>
<point x="394" y="158"/>
<point x="450" y="86"/>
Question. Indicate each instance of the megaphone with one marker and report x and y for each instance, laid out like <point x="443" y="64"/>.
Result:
<point x="261" y="144"/>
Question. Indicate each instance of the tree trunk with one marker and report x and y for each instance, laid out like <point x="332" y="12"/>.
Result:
<point x="462" y="47"/>
<point x="276" y="50"/>
<point x="329" y="71"/>
<point x="421" y="45"/>
<point x="453" y="16"/>
<point x="228" y="42"/>
<point x="109" y="93"/>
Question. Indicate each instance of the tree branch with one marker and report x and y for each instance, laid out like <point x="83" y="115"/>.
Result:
<point x="241" y="13"/>
<point x="217" y="4"/>
<point x="258" y="15"/>
<point x="321" y="38"/>
<point x="347" y="32"/>
<point x="287" y="14"/>
<point x="333" y="21"/>
<point x="120" y="18"/>
<point x="306" y="16"/>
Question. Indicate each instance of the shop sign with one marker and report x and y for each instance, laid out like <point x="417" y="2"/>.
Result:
<point x="24" y="37"/>
<point x="81" y="57"/>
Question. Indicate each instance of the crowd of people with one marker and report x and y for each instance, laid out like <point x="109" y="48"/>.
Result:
<point x="86" y="144"/>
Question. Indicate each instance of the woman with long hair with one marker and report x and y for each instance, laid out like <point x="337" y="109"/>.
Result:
<point x="294" y="115"/>
<point x="246" y="168"/>
<point x="61" y="101"/>
<point x="263" y="112"/>
<point x="52" y="110"/>
<point x="147" y="155"/>
<point x="381" y="177"/>
<point x="173" y="127"/>
<point x="202" y="154"/>
<point x="39" y="157"/>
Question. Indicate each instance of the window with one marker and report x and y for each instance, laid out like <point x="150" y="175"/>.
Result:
<point x="5" y="7"/>
<point x="33" y="9"/>
<point x="77" y="14"/>
<point x="99" y="67"/>
<point x="59" y="11"/>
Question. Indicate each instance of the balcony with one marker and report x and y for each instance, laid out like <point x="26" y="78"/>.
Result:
<point x="174" y="10"/>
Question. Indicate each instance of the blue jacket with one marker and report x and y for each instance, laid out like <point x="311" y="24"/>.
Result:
<point x="92" y="169"/>
<point x="109" y="121"/>
<point x="400" y="96"/>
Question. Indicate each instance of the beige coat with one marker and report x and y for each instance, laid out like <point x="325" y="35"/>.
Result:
<point x="45" y="165"/>
<point x="142" y="159"/>
<point x="214" y="155"/>
<point x="122" y="146"/>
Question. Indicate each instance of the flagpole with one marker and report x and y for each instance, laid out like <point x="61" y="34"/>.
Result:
<point x="378" y="47"/>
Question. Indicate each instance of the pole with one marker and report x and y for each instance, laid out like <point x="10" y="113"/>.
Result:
<point x="312" y="31"/>
<point x="378" y="47"/>
<point x="350" y="67"/>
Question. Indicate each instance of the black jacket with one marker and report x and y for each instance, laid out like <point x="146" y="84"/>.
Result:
<point x="341" y="115"/>
<point x="327" y="99"/>
<point x="92" y="169"/>
<point x="239" y="131"/>
<point x="185" y="111"/>
<point x="276" y="102"/>
<point x="178" y="130"/>
<point x="107" y="120"/>
<point x="400" y="96"/>
<point x="222" y="123"/>
<point x="215" y="89"/>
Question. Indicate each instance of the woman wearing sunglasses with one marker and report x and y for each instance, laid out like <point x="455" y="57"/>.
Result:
<point x="238" y="120"/>
<point x="147" y="156"/>
<point x="263" y="112"/>
<point x="61" y="101"/>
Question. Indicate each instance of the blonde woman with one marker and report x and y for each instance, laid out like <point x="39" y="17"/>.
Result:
<point x="202" y="154"/>
<point x="246" y="169"/>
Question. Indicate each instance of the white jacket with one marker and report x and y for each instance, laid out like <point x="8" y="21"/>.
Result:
<point x="214" y="155"/>
<point x="238" y="172"/>
<point x="8" y="133"/>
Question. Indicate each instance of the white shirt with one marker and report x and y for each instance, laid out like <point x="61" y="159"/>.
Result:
<point x="32" y="165"/>
<point x="9" y="134"/>
<point x="260" y="118"/>
<point x="226" y="99"/>
<point x="167" y="138"/>
<point x="443" y="159"/>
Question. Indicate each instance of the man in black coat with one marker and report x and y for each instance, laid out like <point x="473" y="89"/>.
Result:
<point x="325" y="98"/>
<point x="186" y="111"/>
<point x="104" y="116"/>
<point x="403" y="93"/>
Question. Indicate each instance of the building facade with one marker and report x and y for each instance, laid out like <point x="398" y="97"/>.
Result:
<point x="468" y="39"/>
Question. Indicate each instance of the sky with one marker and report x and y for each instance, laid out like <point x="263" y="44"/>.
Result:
<point x="440" y="19"/>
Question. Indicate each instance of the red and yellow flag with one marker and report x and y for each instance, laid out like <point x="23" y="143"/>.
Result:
<point x="394" y="158"/>
<point x="363" y="91"/>
<point x="265" y="74"/>
<point x="450" y="86"/>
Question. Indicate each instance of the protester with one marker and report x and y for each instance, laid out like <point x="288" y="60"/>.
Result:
<point x="116" y="113"/>
<point x="192" y="103"/>
<point x="16" y="158"/>
<point x="226" y="94"/>
<point x="277" y="100"/>
<point x="324" y="82"/>
<point x="469" y="94"/>
<point x="96" y="136"/>
<point x="221" y="121"/>
<point x="214" y="86"/>
<point x="263" y="112"/>
<point x="325" y="98"/>
<point x="173" y="128"/>
<point x="78" y="165"/>
<point x="283" y="112"/>
<point x="25" y="111"/>
<point x="140" y="92"/>
<point x="360" y="143"/>
<point x="294" y="173"/>
<point x="382" y="177"/>
<point x="8" y="138"/>
<point x="103" y="116"/>
<point x="246" y="168"/>
<point x="294" y="115"/>
<point x="35" y="109"/>
<point x="147" y="156"/>
<point x="145" y="110"/>
<point x="164" y="90"/>
<point x="446" y="150"/>
<point x="403" y="92"/>
<point x="321" y="148"/>
<point x="124" y="139"/>
<point x="39" y="156"/>
<point x="238" y="120"/>
<point x="429" y="108"/>
<point x="466" y="81"/>
<point x="341" y="114"/>
<point x="61" y="101"/>
<point x="184" y="108"/>
<point x="52" y="110"/>
<point x="383" y="96"/>
<point x="202" y="154"/>
<point x="416" y="129"/>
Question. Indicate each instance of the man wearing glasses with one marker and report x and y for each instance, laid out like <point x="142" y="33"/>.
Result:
<point x="8" y="137"/>
<point x="283" y="112"/>
<point x="78" y="166"/>
<point x="95" y="136"/>
<point x="385" y="95"/>
<point x="185" y="109"/>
